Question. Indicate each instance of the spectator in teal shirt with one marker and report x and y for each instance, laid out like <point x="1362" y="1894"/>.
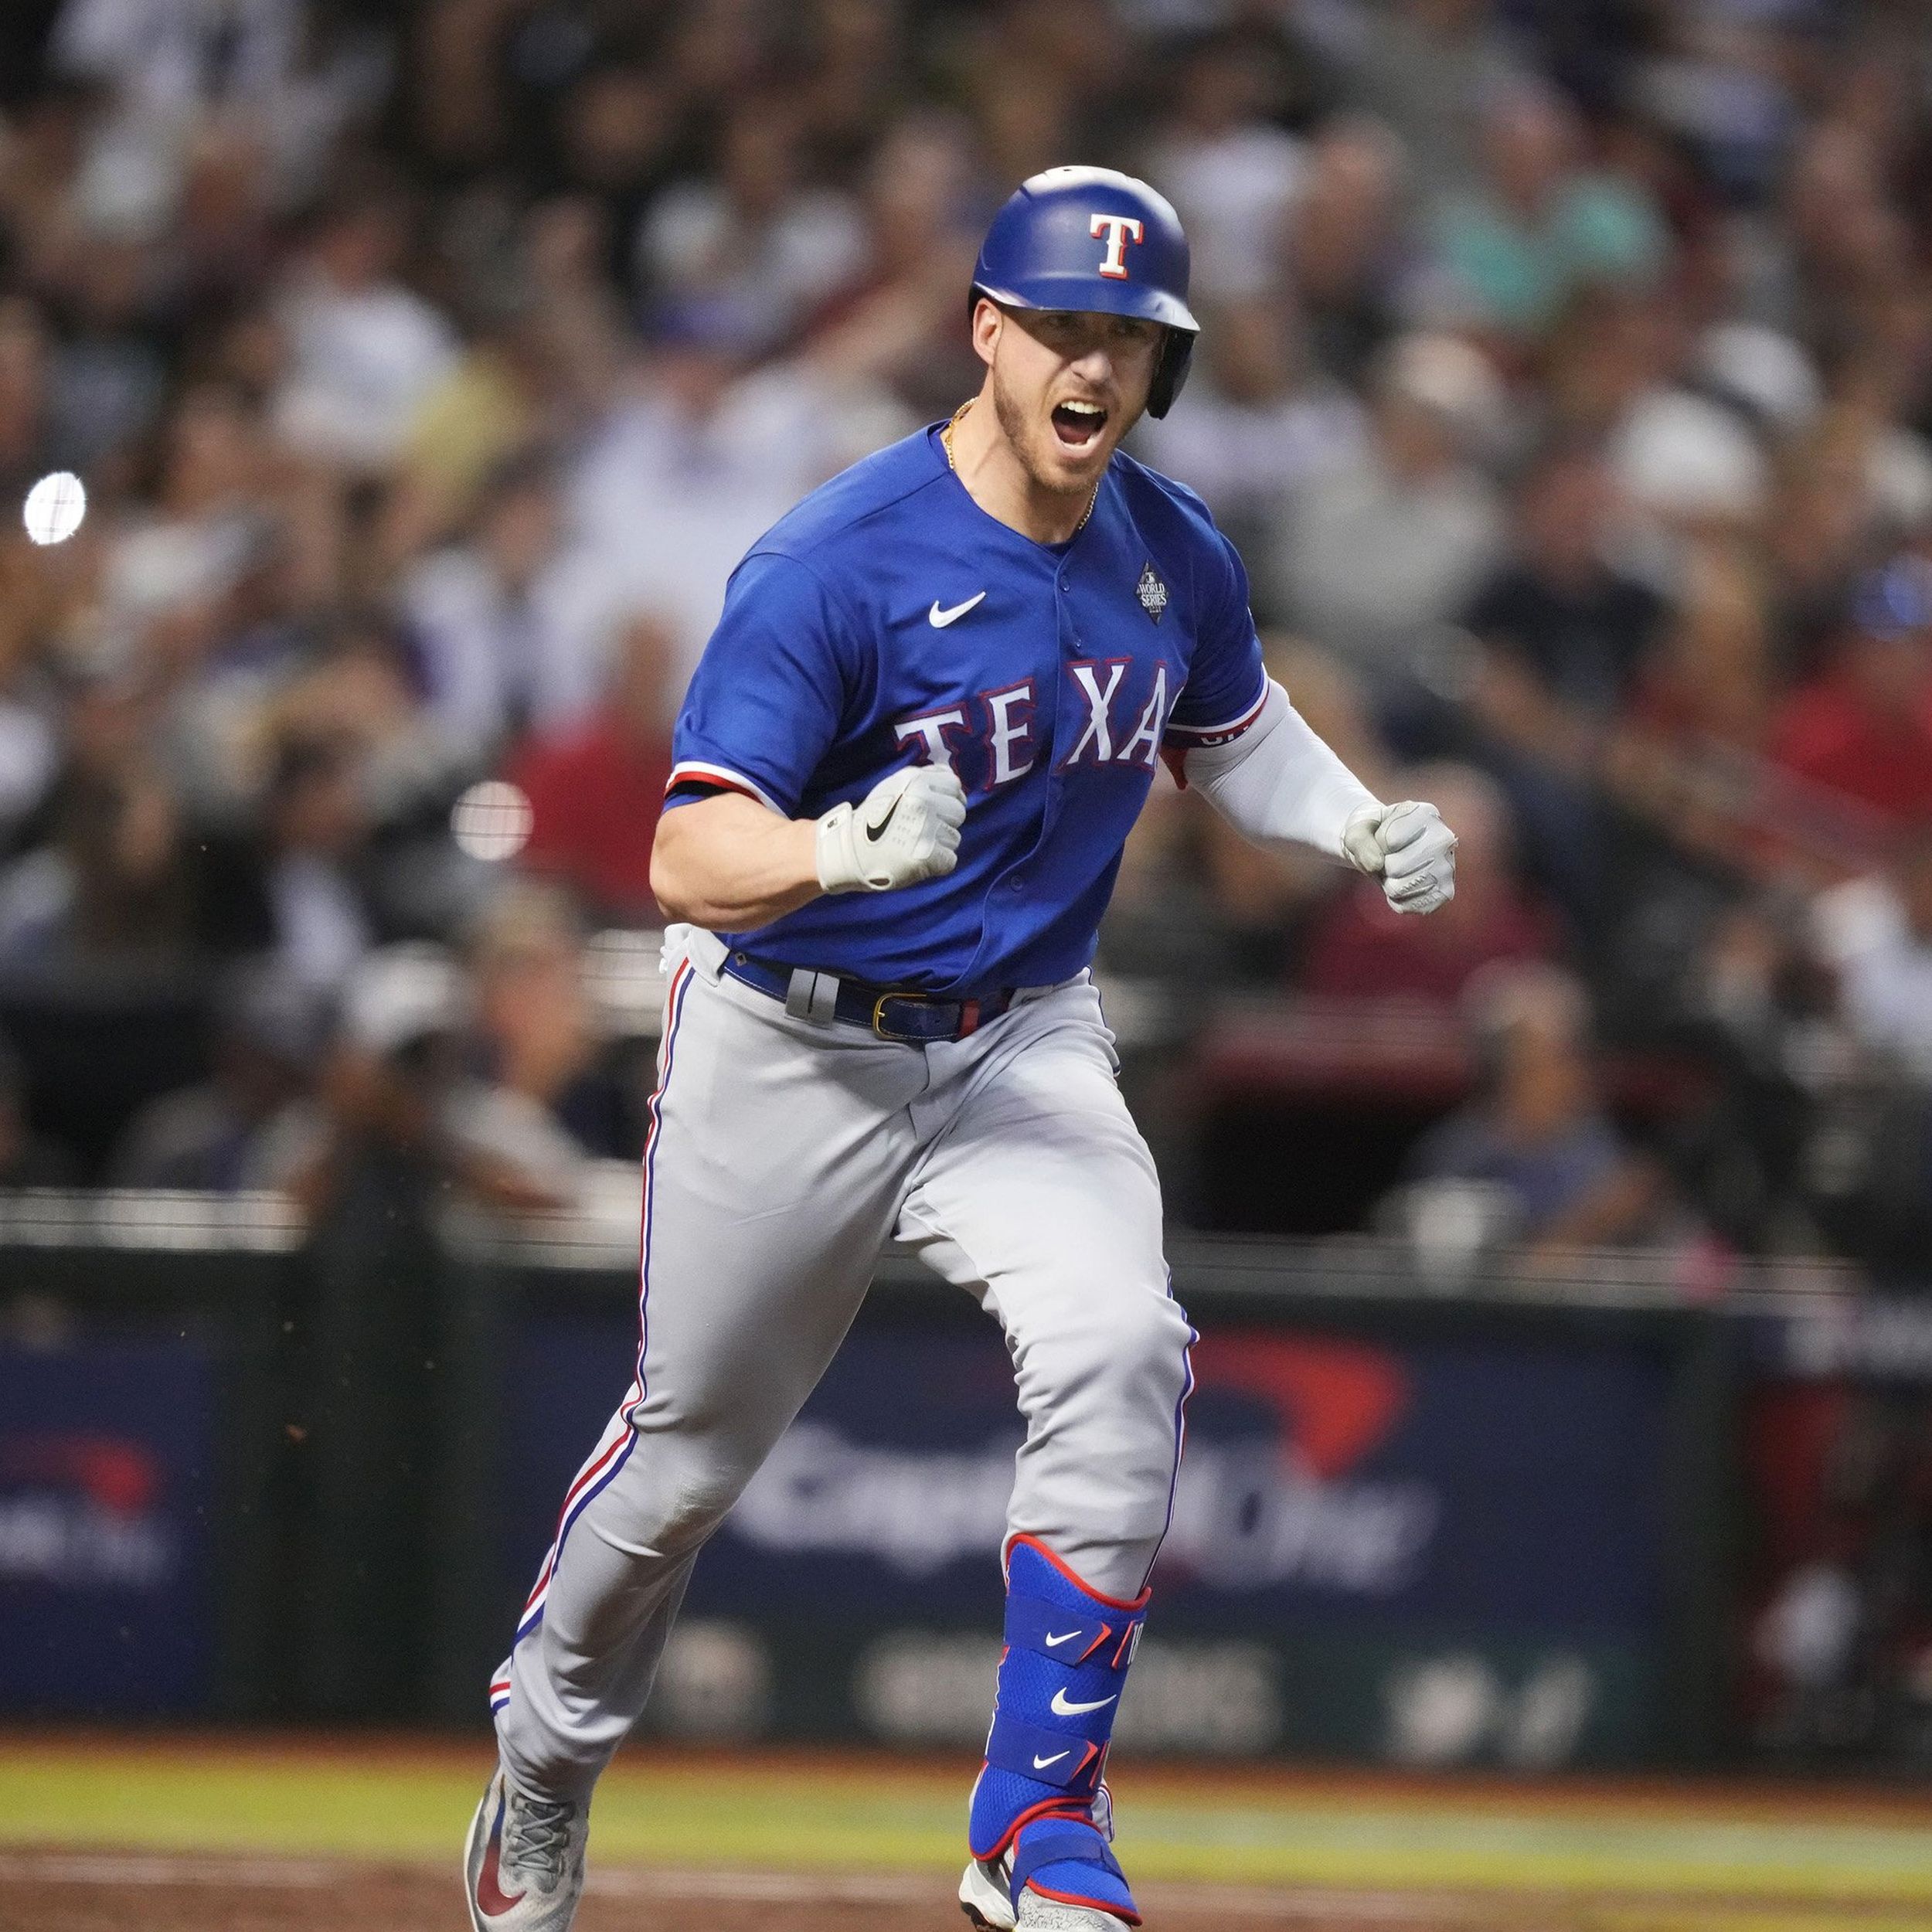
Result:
<point x="1540" y="226"/>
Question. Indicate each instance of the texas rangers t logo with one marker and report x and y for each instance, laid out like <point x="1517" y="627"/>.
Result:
<point x="1119" y="229"/>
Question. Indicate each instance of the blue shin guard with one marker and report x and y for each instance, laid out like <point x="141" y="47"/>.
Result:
<point x="1067" y="1652"/>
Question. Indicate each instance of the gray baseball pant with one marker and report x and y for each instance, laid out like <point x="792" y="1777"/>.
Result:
<point x="785" y="1156"/>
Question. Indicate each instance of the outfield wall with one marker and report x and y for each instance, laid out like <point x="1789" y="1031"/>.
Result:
<point x="1503" y="1521"/>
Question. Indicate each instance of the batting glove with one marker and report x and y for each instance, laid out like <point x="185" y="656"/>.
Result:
<point x="1409" y="849"/>
<point x="905" y="829"/>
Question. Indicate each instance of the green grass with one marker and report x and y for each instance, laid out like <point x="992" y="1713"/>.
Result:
<point x="874" y="1816"/>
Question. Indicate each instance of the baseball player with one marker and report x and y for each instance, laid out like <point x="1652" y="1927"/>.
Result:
<point x="904" y="772"/>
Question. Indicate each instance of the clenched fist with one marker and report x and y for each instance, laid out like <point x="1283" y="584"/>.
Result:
<point x="1409" y="849"/>
<point x="905" y="829"/>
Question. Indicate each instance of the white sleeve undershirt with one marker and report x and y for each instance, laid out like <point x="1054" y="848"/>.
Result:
<point x="1278" y="780"/>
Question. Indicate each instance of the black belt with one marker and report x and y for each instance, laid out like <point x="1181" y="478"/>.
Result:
<point x="916" y="1018"/>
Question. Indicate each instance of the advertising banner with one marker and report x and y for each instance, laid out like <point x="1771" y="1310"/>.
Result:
<point x="1430" y="1552"/>
<point x="106" y="1496"/>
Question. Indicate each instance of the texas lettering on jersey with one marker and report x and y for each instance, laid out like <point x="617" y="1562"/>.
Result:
<point x="889" y="621"/>
<point x="995" y="742"/>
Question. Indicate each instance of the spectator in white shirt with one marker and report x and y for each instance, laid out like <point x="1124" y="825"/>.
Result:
<point x="1259" y="421"/>
<point x="687" y="477"/>
<point x="751" y="242"/>
<point x="195" y="545"/>
<point x="1392" y="542"/>
<point x="1231" y="172"/>
<point x="286" y="76"/>
<point x="504" y="636"/>
<point x="1878" y="932"/>
<point x="364" y="351"/>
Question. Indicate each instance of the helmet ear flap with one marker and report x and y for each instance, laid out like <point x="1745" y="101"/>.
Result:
<point x="1170" y="371"/>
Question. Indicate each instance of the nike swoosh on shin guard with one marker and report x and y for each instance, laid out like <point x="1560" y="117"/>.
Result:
<point x="1058" y="1698"/>
<point x="1060" y="1707"/>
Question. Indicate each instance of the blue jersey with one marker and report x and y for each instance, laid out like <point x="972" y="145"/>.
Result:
<point x="889" y="621"/>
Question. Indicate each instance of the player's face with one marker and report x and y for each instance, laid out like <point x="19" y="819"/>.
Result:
<point x="1067" y="385"/>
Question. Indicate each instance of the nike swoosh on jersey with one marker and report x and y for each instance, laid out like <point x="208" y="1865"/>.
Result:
<point x="1054" y="1643"/>
<point x="1064" y="1709"/>
<point x="1041" y="1763"/>
<point x="939" y="619"/>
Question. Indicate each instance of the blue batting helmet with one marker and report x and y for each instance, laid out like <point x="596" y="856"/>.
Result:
<point x="1088" y="238"/>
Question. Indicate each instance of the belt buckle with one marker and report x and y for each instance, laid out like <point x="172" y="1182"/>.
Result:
<point x="966" y="1020"/>
<point x="879" y="1018"/>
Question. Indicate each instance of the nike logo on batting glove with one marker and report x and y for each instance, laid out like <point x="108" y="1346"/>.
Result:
<point x="911" y="821"/>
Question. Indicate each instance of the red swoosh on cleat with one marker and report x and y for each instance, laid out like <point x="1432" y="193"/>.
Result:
<point x="492" y="1899"/>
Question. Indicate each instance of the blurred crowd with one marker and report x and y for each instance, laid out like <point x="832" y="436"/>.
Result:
<point x="1566" y="379"/>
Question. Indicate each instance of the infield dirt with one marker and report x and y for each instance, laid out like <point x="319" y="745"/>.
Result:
<point x="56" y="1891"/>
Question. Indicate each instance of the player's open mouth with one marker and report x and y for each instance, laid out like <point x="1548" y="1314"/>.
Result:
<point x="1078" y="425"/>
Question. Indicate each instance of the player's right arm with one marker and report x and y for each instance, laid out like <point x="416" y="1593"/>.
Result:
<point x="727" y="862"/>
<point x="783" y="669"/>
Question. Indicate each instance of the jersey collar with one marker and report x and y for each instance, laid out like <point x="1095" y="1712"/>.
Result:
<point x="937" y="450"/>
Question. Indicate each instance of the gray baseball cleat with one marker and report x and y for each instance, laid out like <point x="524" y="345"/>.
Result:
<point x="1037" y="1914"/>
<point x="523" y="1863"/>
<point x="985" y="1896"/>
<point x="986" y="1892"/>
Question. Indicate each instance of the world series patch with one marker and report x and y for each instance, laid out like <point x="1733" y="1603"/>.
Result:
<point x="1151" y="592"/>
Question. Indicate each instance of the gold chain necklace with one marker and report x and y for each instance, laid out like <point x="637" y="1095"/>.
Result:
<point x="945" y="444"/>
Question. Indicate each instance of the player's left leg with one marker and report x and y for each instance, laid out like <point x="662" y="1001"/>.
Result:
<point x="1040" y="1198"/>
